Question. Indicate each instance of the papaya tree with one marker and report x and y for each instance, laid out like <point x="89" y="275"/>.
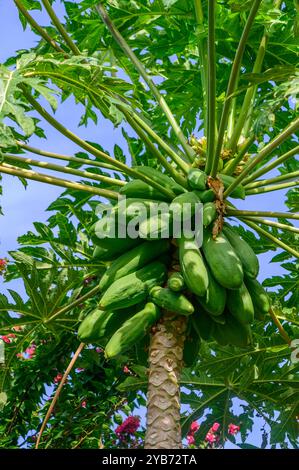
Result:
<point x="203" y="94"/>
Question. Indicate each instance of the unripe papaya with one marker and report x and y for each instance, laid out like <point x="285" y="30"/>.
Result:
<point x="214" y="299"/>
<point x="176" y="282"/>
<point x="112" y="228"/>
<point x="219" y="334"/>
<point x="203" y="324"/>
<point x="206" y="196"/>
<point x="156" y="227"/>
<point x="133" y="260"/>
<point x="117" y="247"/>
<point x="184" y="206"/>
<point x="239" y="304"/>
<point x="160" y="178"/>
<point x="197" y="179"/>
<point x="193" y="267"/>
<point x="233" y="333"/>
<point x="140" y="189"/>
<point x="172" y="301"/>
<point x="223" y="261"/>
<point x="245" y="253"/>
<point x="209" y="213"/>
<point x="133" y="288"/>
<point x="238" y="192"/>
<point x="260" y="298"/>
<point x="132" y="331"/>
<point x="221" y="319"/>
<point x="100" y="325"/>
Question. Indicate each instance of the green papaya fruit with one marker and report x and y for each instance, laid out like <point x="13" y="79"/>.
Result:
<point x="133" y="260"/>
<point x="133" y="288"/>
<point x="99" y="325"/>
<point x="114" y="227"/>
<point x="234" y="333"/>
<point x="176" y="282"/>
<point x="214" y="299"/>
<point x="219" y="334"/>
<point x="140" y="189"/>
<point x="206" y="196"/>
<point x="116" y="247"/>
<point x="209" y="213"/>
<point x="193" y="267"/>
<point x="156" y="227"/>
<point x="221" y="319"/>
<point x="245" y="253"/>
<point x="197" y="179"/>
<point x="223" y="261"/>
<point x="184" y="206"/>
<point x="132" y="331"/>
<point x="172" y="301"/>
<point x="260" y="298"/>
<point x="238" y="192"/>
<point x="161" y="178"/>
<point x="240" y="306"/>
<point x="203" y="324"/>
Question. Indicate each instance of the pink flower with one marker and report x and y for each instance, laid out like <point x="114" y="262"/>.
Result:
<point x="194" y="427"/>
<point x="20" y="355"/>
<point x="84" y="403"/>
<point x="31" y="348"/>
<point x="3" y="263"/>
<point x="126" y="370"/>
<point x="31" y="351"/>
<point x="210" y="437"/>
<point x="99" y="350"/>
<point x="190" y="439"/>
<point x="7" y="338"/>
<point x="129" y="426"/>
<point x="58" y="378"/>
<point x="17" y="328"/>
<point x="80" y="369"/>
<point x="233" y="429"/>
<point x="215" y="427"/>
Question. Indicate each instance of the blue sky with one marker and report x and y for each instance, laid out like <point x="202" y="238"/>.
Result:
<point x="22" y="207"/>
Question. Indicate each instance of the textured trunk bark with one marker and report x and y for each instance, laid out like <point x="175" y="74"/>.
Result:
<point x="163" y="398"/>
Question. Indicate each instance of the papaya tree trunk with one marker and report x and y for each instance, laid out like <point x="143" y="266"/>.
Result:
<point x="163" y="398"/>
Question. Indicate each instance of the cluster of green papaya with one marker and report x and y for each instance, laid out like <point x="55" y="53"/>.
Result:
<point x="214" y="285"/>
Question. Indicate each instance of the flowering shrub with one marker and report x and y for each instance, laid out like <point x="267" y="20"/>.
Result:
<point x="215" y="427"/>
<point x="233" y="429"/>
<point x="212" y="439"/>
<point x="29" y="352"/>
<point x="58" y="378"/>
<point x="127" y="435"/>
<point x="3" y="264"/>
<point x="8" y="338"/>
<point x="129" y="426"/>
<point x="194" y="427"/>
